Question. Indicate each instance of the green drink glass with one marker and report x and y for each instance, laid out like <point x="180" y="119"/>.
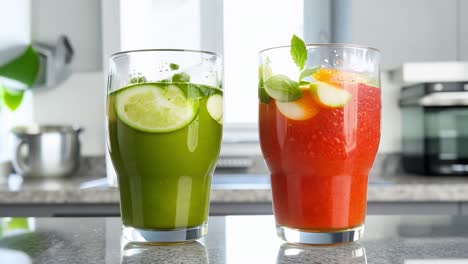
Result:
<point x="164" y="128"/>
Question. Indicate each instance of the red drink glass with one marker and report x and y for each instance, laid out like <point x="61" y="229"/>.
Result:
<point x="320" y="147"/>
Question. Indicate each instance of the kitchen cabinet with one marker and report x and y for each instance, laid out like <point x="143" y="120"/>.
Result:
<point x="464" y="209"/>
<point x="463" y="30"/>
<point x="408" y="30"/>
<point x="410" y="208"/>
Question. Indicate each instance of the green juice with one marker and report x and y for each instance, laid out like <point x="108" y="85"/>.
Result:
<point x="164" y="176"/>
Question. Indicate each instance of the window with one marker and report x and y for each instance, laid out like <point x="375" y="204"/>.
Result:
<point x="236" y="29"/>
<point x="250" y="26"/>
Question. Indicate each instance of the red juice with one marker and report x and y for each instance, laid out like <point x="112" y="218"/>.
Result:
<point x="319" y="165"/>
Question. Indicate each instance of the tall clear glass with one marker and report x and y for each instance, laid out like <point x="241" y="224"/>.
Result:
<point x="319" y="134"/>
<point x="164" y="128"/>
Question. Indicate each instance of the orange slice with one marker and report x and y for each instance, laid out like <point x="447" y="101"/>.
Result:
<point x="339" y="77"/>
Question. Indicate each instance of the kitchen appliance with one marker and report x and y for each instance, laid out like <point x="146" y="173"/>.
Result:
<point x="435" y="128"/>
<point x="46" y="151"/>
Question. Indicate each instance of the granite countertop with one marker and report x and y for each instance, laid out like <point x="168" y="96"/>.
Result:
<point x="387" y="183"/>
<point x="229" y="189"/>
<point x="235" y="239"/>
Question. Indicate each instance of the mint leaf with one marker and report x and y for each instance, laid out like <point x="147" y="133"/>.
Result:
<point x="181" y="77"/>
<point x="138" y="79"/>
<point x="298" y="51"/>
<point x="12" y="99"/>
<point x="307" y="72"/>
<point x="263" y="95"/>
<point x="207" y="90"/>
<point x="282" y="89"/>
<point x="264" y="72"/>
<point x="173" y="66"/>
<point x="2" y="93"/>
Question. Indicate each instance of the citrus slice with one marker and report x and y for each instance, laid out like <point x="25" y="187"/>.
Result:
<point x="155" y="108"/>
<point x="330" y="96"/>
<point x="214" y="105"/>
<point x="340" y="77"/>
<point x="301" y="109"/>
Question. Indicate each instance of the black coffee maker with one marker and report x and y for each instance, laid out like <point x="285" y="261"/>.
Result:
<point x="435" y="128"/>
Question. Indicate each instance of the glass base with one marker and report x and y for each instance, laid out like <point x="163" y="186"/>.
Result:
<point x="319" y="238"/>
<point x="164" y="236"/>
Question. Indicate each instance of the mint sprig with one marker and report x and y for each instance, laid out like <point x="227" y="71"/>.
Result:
<point x="298" y="51"/>
<point x="173" y="66"/>
<point x="280" y="87"/>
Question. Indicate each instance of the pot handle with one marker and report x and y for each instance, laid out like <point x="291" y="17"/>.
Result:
<point x="21" y="162"/>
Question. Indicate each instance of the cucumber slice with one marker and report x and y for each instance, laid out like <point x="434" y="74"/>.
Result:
<point x="214" y="105"/>
<point x="329" y="95"/>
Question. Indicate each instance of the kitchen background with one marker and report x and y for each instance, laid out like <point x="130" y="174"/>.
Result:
<point x="405" y="31"/>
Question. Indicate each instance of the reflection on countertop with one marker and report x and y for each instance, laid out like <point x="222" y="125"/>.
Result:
<point x="242" y="239"/>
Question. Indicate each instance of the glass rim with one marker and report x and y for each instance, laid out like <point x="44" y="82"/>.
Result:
<point x="128" y="52"/>
<point x="318" y="45"/>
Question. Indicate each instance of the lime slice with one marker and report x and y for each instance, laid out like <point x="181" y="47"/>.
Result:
<point x="214" y="105"/>
<point x="155" y="108"/>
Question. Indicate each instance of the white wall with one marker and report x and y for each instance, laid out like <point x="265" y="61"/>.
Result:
<point x="391" y="116"/>
<point x="79" y="20"/>
<point x="18" y="36"/>
<point x="80" y="99"/>
<point x="407" y="30"/>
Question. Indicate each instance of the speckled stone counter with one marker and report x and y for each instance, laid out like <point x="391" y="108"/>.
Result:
<point x="387" y="184"/>
<point x="230" y="188"/>
<point x="236" y="239"/>
<point x="87" y="193"/>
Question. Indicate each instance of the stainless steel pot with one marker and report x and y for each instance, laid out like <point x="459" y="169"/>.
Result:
<point x="46" y="151"/>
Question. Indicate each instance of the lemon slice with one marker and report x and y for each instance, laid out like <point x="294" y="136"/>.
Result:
<point x="155" y="108"/>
